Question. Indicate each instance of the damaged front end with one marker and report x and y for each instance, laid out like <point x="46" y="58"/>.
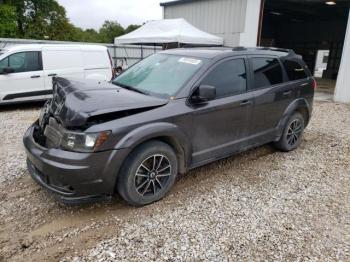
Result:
<point x="78" y="105"/>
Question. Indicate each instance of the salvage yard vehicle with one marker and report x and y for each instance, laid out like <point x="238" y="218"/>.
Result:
<point x="171" y="112"/>
<point x="26" y="71"/>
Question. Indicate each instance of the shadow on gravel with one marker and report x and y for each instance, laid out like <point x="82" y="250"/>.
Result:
<point x="186" y="182"/>
<point x="22" y="106"/>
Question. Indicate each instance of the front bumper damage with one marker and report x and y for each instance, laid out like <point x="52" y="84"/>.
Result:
<point x="73" y="177"/>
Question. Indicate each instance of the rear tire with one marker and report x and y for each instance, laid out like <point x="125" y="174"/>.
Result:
<point x="148" y="174"/>
<point x="292" y="133"/>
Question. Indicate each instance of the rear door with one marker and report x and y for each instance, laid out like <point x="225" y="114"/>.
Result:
<point x="26" y="82"/>
<point x="221" y="126"/>
<point x="299" y="77"/>
<point x="272" y="94"/>
<point x="62" y="61"/>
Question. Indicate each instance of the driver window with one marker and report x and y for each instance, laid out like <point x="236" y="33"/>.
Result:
<point x="229" y="78"/>
<point x="16" y="61"/>
<point x="25" y="62"/>
<point x="4" y="63"/>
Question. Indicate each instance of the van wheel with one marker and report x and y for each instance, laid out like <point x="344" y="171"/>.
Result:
<point x="148" y="173"/>
<point x="292" y="133"/>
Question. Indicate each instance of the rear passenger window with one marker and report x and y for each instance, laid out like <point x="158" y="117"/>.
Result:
<point x="229" y="78"/>
<point x="294" y="70"/>
<point x="267" y="72"/>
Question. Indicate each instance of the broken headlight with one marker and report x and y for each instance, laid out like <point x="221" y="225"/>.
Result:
<point x="83" y="142"/>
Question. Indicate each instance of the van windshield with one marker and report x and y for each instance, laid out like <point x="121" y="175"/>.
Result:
<point x="2" y="51"/>
<point x="160" y="74"/>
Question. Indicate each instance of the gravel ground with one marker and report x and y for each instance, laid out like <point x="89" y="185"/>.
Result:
<point x="12" y="131"/>
<point x="258" y="205"/>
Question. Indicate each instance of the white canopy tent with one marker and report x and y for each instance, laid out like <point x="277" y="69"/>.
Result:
<point x="169" y="31"/>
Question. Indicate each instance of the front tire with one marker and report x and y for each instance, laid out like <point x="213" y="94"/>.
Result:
<point x="292" y="133"/>
<point x="148" y="174"/>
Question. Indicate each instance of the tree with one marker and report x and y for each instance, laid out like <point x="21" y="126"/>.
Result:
<point x="110" y="30"/>
<point x="131" y="28"/>
<point x="92" y="36"/>
<point x="46" y="19"/>
<point x="8" y="25"/>
<point x="41" y="19"/>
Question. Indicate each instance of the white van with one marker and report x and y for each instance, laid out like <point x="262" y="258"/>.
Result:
<point x="26" y="71"/>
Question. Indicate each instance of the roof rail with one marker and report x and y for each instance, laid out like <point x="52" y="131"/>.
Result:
<point x="277" y="49"/>
<point x="239" y="48"/>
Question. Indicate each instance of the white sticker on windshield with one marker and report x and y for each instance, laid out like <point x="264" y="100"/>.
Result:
<point x="191" y="61"/>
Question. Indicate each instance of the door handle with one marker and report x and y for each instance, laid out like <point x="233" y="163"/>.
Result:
<point x="35" y="76"/>
<point x="245" y="103"/>
<point x="287" y="93"/>
<point x="52" y="74"/>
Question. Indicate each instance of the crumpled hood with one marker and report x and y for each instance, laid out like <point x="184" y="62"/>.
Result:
<point x="75" y="101"/>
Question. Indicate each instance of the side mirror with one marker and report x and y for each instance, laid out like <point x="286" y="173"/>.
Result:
<point x="203" y="94"/>
<point x="8" y="70"/>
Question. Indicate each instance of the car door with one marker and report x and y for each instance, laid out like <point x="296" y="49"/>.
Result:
<point x="25" y="81"/>
<point x="221" y="125"/>
<point x="272" y="95"/>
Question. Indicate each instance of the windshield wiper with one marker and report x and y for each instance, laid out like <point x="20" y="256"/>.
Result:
<point x="130" y="88"/>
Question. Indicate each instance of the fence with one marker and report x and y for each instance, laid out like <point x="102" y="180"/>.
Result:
<point x="133" y="53"/>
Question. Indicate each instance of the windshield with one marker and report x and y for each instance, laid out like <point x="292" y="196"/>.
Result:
<point x="160" y="74"/>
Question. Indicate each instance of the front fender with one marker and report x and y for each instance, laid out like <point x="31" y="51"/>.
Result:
<point x="163" y="131"/>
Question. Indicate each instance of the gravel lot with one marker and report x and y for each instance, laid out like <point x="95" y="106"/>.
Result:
<point x="258" y="205"/>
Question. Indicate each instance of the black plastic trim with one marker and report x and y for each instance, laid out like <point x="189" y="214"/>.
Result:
<point x="28" y="94"/>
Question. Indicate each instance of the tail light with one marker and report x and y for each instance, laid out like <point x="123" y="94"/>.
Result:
<point x="110" y="60"/>
<point x="314" y="83"/>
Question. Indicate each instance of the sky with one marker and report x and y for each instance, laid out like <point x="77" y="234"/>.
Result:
<point x="92" y="13"/>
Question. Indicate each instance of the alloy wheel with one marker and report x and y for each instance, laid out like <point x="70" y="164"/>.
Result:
<point x="294" y="132"/>
<point x="152" y="175"/>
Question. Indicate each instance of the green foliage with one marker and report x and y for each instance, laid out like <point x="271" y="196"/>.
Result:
<point x="110" y="30"/>
<point x="131" y="28"/>
<point x="46" y="19"/>
<point x="8" y="25"/>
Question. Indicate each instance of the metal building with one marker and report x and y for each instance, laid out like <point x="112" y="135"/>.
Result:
<point x="233" y="20"/>
<point x="306" y="26"/>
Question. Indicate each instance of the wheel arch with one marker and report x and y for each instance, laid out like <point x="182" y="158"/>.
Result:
<point x="300" y="105"/>
<point x="167" y="133"/>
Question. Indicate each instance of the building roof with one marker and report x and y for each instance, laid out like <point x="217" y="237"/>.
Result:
<point x="343" y="2"/>
<point x="176" y="2"/>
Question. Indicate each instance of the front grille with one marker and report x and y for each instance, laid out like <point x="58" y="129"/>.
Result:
<point x="53" y="133"/>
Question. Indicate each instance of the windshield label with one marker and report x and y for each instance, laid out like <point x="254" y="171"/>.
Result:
<point x="191" y="61"/>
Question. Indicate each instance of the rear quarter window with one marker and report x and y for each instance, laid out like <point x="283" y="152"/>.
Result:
<point x="294" y="70"/>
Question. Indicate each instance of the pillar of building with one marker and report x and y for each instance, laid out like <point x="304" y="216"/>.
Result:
<point x="251" y="25"/>
<point x="342" y="89"/>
